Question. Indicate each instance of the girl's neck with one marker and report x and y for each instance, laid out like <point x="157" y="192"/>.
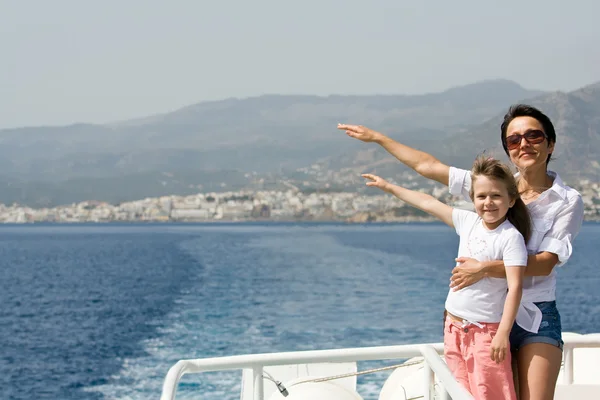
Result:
<point x="491" y="227"/>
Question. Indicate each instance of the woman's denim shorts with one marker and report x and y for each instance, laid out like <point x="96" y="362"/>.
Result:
<point x="550" y="330"/>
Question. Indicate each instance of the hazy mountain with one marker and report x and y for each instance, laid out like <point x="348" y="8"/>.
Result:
<point x="576" y="116"/>
<point x="188" y="149"/>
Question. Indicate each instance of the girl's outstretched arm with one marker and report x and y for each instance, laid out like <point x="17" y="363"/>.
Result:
<point x="423" y="163"/>
<point x="422" y="201"/>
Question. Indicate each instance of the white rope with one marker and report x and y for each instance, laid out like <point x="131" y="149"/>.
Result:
<point x="369" y="371"/>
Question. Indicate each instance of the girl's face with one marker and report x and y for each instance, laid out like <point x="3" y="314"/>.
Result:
<point x="491" y="200"/>
<point x="528" y="156"/>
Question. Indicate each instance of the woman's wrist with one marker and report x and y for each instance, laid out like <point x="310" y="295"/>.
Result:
<point x="379" y="138"/>
<point x="484" y="268"/>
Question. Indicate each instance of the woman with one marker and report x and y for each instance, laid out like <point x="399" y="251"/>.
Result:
<point x="528" y="138"/>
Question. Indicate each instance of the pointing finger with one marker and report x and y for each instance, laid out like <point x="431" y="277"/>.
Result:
<point x="346" y="127"/>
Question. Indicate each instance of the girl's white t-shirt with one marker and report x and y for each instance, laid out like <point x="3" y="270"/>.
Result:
<point x="484" y="300"/>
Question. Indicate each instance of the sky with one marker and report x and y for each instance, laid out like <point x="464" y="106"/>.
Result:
<point x="65" y="62"/>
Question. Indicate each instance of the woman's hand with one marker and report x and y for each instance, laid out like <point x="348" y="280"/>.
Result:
<point x="499" y="347"/>
<point x="377" y="182"/>
<point x="360" y="132"/>
<point x="469" y="271"/>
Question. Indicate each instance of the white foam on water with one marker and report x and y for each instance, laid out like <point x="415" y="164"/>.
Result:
<point x="301" y="310"/>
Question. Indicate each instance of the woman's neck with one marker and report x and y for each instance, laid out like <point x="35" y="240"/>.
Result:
<point x="534" y="182"/>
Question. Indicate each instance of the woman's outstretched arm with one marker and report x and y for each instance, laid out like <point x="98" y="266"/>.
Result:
<point x="423" y="163"/>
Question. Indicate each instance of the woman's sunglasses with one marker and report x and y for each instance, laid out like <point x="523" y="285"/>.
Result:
<point x="532" y="137"/>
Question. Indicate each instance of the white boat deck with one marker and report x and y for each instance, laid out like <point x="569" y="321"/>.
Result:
<point x="326" y="374"/>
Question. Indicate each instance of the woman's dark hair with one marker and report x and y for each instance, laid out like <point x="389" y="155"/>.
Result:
<point x="524" y="110"/>
<point x="518" y="214"/>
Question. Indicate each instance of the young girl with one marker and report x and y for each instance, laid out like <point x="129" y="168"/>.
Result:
<point x="480" y="317"/>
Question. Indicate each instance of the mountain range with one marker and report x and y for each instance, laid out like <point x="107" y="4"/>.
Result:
<point x="575" y="115"/>
<point x="259" y="141"/>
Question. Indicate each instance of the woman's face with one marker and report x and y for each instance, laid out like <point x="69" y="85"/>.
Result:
<point x="528" y="156"/>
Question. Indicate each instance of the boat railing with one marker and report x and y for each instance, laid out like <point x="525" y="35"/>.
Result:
<point x="573" y="342"/>
<point x="434" y="366"/>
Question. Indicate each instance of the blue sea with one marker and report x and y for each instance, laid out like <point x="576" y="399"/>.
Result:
<point x="103" y="311"/>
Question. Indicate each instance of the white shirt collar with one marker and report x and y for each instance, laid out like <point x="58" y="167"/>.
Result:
<point x="558" y="186"/>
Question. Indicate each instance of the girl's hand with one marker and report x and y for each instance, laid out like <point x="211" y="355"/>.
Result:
<point x="499" y="348"/>
<point x="469" y="271"/>
<point x="360" y="132"/>
<point x="377" y="181"/>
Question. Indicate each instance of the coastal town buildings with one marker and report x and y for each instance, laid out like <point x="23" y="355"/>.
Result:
<point x="290" y="205"/>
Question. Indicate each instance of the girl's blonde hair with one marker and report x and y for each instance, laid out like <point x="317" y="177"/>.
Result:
<point x="518" y="214"/>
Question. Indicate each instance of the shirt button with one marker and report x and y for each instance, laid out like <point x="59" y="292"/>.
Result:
<point x="466" y="330"/>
